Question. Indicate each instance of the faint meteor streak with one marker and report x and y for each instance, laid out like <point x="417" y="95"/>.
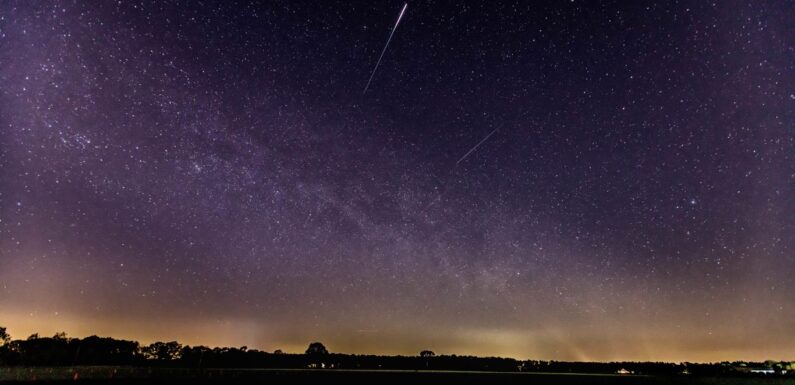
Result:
<point x="383" y="51"/>
<point x="476" y="146"/>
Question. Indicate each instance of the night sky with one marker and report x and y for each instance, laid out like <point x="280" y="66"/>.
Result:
<point x="213" y="173"/>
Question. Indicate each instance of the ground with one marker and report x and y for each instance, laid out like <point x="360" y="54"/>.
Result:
<point x="128" y="375"/>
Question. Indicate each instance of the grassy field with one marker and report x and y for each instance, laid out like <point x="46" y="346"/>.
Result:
<point x="132" y="375"/>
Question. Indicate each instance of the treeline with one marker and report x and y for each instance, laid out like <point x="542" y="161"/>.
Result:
<point x="61" y="350"/>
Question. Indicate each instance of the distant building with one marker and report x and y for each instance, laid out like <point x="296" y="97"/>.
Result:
<point x="623" y="371"/>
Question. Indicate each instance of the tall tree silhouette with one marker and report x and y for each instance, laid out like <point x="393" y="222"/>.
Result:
<point x="316" y="355"/>
<point x="316" y="349"/>
<point x="4" y="351"/>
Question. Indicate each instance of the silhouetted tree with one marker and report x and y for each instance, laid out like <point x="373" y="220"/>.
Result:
<point x="427" y="353"/>
<point x="45" y="351"/>
<point x="4" y="337"/>
<point x="105" y="351"/>
<point x="316" y="355"/>
<point x="60" y="336"/>
<point x="163" y="351"/>
<point x="4" y="351"/>
<point x="278" y="351"/>
<point x="316" y="349"/>
<point x="196" y="356"/>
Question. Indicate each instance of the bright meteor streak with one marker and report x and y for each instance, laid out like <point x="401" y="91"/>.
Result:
<point x="383" y="51"/>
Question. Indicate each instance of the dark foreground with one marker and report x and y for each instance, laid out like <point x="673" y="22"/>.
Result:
<point x="135" y="376"/>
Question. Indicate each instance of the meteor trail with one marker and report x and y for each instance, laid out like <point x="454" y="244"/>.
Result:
<point x="476" y="146"/>
<point x="446" y="189"/>
<point x="385" y="47"/>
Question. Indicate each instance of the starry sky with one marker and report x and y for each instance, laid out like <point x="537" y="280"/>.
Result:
<point x="212" y="172"/>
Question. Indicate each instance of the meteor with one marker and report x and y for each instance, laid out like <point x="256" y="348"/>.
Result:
<point x="385" y="47"/>
<point x="476" y="146"/>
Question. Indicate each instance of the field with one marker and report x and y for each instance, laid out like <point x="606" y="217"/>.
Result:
<point x="131" y="375"/>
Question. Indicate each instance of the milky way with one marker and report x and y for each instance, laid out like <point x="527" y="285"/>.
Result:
<point x="211" y="172"/>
